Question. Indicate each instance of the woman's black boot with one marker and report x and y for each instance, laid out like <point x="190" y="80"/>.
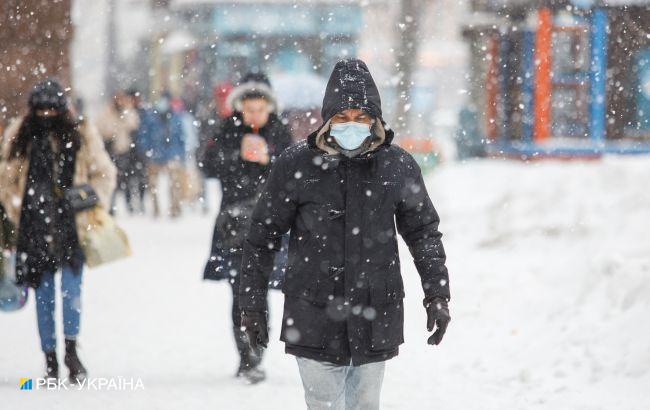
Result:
<point x="51" y="365"/>
<point x="77" y="370"/>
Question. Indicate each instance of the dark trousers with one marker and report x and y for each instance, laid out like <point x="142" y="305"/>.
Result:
<point x="123" y="170"/>
<point x="235" y="311"/>
<point x="131" y="179"/>
<point x="248" y="357"/>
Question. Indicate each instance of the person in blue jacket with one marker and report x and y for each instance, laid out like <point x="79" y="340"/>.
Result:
<point x="163" y="141"/>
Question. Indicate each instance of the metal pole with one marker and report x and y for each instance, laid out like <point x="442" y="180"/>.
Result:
<point x="110" y="81"/>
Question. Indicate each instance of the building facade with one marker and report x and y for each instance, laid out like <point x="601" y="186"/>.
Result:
<point x="560" y="78"/>
<point x="35" y="37"/>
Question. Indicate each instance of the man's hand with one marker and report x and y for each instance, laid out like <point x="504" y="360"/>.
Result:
<point x="438" y="315"/>
<point x="254" y="149"/>
<point x="254" y="324"/>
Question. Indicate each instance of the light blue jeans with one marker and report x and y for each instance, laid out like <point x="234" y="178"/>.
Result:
<point x="71" y="296"/>
<point x="332" y="387"/>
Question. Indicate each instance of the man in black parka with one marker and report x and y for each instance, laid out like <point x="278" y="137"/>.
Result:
<point x="342" y="194"/>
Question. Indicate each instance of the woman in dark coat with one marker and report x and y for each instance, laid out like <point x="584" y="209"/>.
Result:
<point x="46" y="153"/>
<point x="240" y="155"/>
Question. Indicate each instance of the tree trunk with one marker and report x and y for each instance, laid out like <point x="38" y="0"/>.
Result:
<point x="408" y="32"/>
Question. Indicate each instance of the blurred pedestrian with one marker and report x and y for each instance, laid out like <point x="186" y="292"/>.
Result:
<point x="341" y="193"/>
<point x="46" y="154"/>
<point x="7" y="233"/>
<point x="190" y="176"/>
<point x="165" y="150"/>
<point x="148" y="124"/>
<point x="240" y="155"/>
<point x="116" y="122"/>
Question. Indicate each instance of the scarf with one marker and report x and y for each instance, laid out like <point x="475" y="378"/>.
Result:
<point x="47" y="237"/>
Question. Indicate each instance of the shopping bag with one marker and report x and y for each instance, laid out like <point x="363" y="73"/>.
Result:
<point x="101" y="239"/>
<point x="12" y="296"/>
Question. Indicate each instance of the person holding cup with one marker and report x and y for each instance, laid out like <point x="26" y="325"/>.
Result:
<point x="240" y="154"/>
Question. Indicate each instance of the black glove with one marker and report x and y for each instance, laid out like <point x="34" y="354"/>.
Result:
<point x="437" y="314"/>
<point x="255" y="325"/>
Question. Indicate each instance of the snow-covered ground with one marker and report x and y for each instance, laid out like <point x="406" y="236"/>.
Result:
<point x="550" y="279"/>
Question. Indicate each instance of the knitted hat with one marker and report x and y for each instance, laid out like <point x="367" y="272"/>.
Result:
<point x="48" y="95"/>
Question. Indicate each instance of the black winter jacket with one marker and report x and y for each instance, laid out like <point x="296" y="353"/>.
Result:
<point x="239" y="178"/>
<point x="343" y="284"/>
<point x="343" y="287"/>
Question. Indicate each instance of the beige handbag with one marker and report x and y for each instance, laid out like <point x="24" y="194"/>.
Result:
<point x="101" y="240"/>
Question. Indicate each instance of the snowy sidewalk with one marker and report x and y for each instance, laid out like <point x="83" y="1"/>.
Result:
<point x="550" y="276"/>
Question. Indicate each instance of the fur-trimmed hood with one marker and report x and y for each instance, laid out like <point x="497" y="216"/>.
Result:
<point x="252" y="83"/>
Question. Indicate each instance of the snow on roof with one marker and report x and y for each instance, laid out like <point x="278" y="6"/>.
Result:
<point x="616" y="3"/>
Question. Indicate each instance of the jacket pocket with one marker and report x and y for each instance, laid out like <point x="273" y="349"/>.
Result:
<point x="304" y="322"/>
<point x="387" y="326"/>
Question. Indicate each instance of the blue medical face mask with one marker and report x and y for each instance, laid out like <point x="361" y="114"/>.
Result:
<point x="350" y="135"/>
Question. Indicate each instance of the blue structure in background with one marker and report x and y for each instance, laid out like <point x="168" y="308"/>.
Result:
<point x="642" y="84"/>
<point x="527" y="74"/>
<point x="505" y="74"/>
<point x="597" y="76"/>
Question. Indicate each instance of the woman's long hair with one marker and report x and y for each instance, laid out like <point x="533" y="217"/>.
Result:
<point x="63" y="127"/>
